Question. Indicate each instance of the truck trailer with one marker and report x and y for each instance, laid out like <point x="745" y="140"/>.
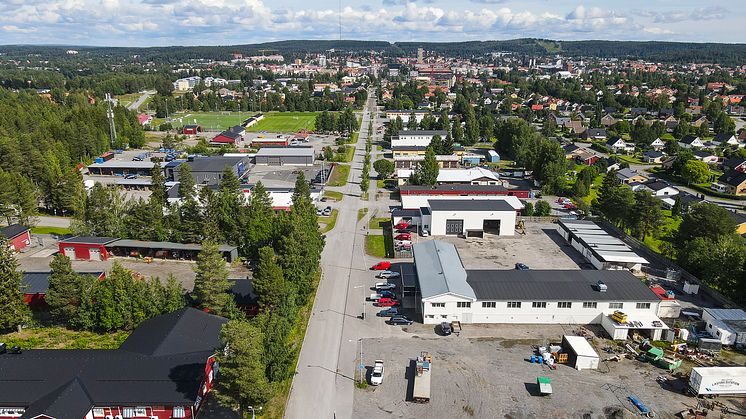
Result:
<point x="421" y="393"/>
<point x="717" y="380"/>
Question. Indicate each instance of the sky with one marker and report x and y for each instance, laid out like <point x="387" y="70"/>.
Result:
<point x="230" y="22"/>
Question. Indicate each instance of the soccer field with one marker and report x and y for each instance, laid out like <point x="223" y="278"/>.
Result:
<point x="211" y="121"/>
<point x="286" y="122"/>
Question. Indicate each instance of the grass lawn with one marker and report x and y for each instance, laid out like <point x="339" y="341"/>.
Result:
<point x="127" y="99"/>
<point x="60" y="231"/>
<point x="330" y="222"/>
<point x="629" y="159"/>
<point x="286" y="122"/>
<point x="56" y="337"/>
<point x="378" y="223"/>
<point x="668" y="229"/>
<point x="337" y="196"/>
<point x="375" y="245"/>
<point x="348" y="154"/>
<point x="339" y="175"/>
<point x="381" y="183"/>
<point x="361" y="213"/>
<point x="211" y="121"/>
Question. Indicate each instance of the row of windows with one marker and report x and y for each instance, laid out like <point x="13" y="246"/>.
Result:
<point x="542" y="304"/>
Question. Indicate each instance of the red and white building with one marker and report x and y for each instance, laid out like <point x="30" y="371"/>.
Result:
<point x="86" y="248"/>
<point x="18" y="236"/>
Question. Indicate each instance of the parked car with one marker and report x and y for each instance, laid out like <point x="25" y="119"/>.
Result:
<point x="386" y="302"/>
<point x="374" y="297"/>
<point x="425" y="233"/>
<point x="388" y="312"/>
<point x="376" y="377"/>
<point x="521" y="266"/>
<point x="399" y="320"/>
<point x="130" y="176"/>
<point x="388" y="274"/>
<point x="445" y="328"/>
<point x="319" y="212"/>
<point x="403" y="236"/>
<point x="385" y="286"/>
<point x="401" y="225"/>
<point x="563" y="201"/>
<point x="381" y="266"/>
<point x="387" y="294"/>
<point x="326" y="212"/>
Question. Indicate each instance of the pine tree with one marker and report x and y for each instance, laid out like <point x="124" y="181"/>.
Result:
<point x="26" y="202"/>
<point x="278" y="357"/>
<point x="86" y="317"/>
<point x="258" y="231"/>
<point x="158" y="196"/>
<point x="676" y="210"/>
<point x="427" y="171"/>
<point x="268" y="282"/>
<point x="186" y="182"/>
<point x="173" y="295"/>
<point x="63" y="296"/>
<point x="211" y="282"/>
<point x="243" y="381"/>
<point x="457" y="131"/>
<point x="14" y="311"/>
<point x="230" y="209"/>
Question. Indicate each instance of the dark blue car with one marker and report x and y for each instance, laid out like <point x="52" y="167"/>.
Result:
<point x="387" y="294"/>
<point x="389" y="312"/>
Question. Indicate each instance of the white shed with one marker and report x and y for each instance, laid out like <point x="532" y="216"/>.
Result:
<point x="581" y="354"/>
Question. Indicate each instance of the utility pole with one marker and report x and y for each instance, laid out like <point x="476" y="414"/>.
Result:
<point x="110" y="116"/>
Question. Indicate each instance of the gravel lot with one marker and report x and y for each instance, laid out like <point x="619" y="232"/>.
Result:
<point x="540" y="248"/>
<point x="489" y="377"/>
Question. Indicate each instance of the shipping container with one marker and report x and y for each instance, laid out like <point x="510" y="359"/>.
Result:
<point x="718" y="380"/>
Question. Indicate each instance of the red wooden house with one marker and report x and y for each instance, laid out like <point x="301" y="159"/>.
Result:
<point x="191" y="129"/>
<point x="18" y="236"/>
<point x="86" y="248"/>
<point x="36" y="284"/>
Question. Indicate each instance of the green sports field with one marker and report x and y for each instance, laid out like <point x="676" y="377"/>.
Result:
<point x="286" y="122"/>
<point x="211" y="121"/>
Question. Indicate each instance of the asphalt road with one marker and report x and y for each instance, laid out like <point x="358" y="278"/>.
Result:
<point x="136" y="104"/>
<point x="48" y="221"/>
<point x="323" y="383"/>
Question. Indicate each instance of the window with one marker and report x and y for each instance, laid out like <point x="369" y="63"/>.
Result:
<point x="443" y="316"/>
<point x="564" y="304"/>
<point x="590" y="304"/>
<point x="539" y="304"/>
<point x="463" y="304"/>
<point x="514" y="304"/>
<point x="437" y="304"/>
<point x="97" y="411"/>
<point x="430" y="316"/>
<point x="643" y="306"/>
<point x="616" y="305"/>
<point x="141" y="411"/>
<point x="179" y="412"/>
<point x="489" y="304"/>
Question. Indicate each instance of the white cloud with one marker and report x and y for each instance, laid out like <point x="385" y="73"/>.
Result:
<point x="657" y="30"/>
<point x="16" y="29"/>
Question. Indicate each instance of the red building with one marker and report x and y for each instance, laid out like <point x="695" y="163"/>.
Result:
<point x="226" y="137"/>
<point x="463" y="190"/>
<point x="86" y="248"/>
<point x="191" y="129"/>
<point x="18" y="236"/>
<point x="36" y="284"/>
<point x="165" y="369"/>
<point x="280" y="141"/>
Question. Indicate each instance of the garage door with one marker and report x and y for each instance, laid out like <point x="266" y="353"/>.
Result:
<point x="95" y="254"/>
<point x="491" y="226"/>
<point x="454" y="226"/>
<point x="70" y="252"/>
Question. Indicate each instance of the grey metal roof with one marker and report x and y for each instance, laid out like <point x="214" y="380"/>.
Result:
<point x="89" y="240"/>
<point x="439" y="270"/>
<point x="165" y="245"/>
<point x="285" y="152"/>
<point x="398" y="212"/>
<point x="213" y="164"/>
<point x="13" y="230"/>
<point x="727" y="313"/>
<point x="557" y="285"/>
<point x="122" y="164"/>
<point x="469" y="205"/>
<point x="437" y="189"/>
<point x="38" y="282"/>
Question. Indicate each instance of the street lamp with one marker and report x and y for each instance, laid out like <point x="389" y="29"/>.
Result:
<point x="363" y="287"/>
<point x="253" y="413"/>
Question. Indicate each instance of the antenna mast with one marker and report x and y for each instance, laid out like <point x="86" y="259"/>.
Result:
<point x="110" y="116"/>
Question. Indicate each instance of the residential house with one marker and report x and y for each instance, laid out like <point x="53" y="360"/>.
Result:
<point x="732" y="182"/>
<point x="628" y="176"/>
<point x="686" y="199"/>
<point x="638" y="111"/>
<point x="571" y="150"/>
<point x="653" y="156"/>
<point x="726" y="139"/>
<point x="617" y="145"/>
<point x="660" y="188"/>
<point x="699" y="121"/>
<point x="658" y="144"/>
<point x="576" y="127"/>
<point x="594" y="134"/>
<point x="740" y="220"/>
<point x="691" y="141"/>
<point x="670" y="122"/>
<point x="734" y="163"/>
<point x="705" y="156"/>
<point x="587" y="158"/>
<point x="17" y="236"/>
<point x="612" y="164"/>
<point x="608" y="120"/>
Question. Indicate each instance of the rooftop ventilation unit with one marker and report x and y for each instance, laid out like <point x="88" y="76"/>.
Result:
<point x="601" y="286"/>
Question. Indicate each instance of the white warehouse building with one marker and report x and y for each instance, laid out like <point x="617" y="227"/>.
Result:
<point x="448" y="292"/>
<point x="416" y="138"/>
<point x="602" y="250"/>
<point x="470" y="217"/>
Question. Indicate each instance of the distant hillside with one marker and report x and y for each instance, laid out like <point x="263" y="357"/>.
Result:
<point x="676" y="52"/>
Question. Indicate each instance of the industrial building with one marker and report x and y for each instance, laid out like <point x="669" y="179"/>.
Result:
<point x="85" y="247"/>
<point x="282" y="198"/>
<point x="602" y="250"/>
<point x="122" y="168"/>
<point x="102" y="248"/>
<point x="443" y="215"/>
<point x="416" y="138"/>
<point x="448" y="291"/>
<point x="416" y="196"/>
<point x="288" y="156"/>
<point x="471" y="176"/>
<point x="209" y="170"/>
<point x="727" y="325"/>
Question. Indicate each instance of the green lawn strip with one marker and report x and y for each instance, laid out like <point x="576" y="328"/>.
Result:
<point x="629" y="159"/>
<point x="349" y="153"/>
<point x="57" y="337"/>
<point x="60" y="231"/>
<point x="286" y="122"/>
<point x="337" y="196"/>
<point x="669" y="227"/>
<point x="381" y="183"/>
<point x="339" y="175"/>
<point x="375" y="245"/>
<point x="329" y="222"/>
<point x="378" y="223"/>
<point x="361" y="213"/>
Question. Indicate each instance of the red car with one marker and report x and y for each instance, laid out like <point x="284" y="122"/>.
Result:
<point x="571" y="206"/>
<point x="386" y="302"/>
<point x="401" y="225"/>
<point x="381" y="266"/>
<point x="403" y="236"/>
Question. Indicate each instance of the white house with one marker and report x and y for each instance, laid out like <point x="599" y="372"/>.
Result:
<point x="660" y="188"/>
<point x="658" y="144"/>
<point x="691" y="141"/>
<point x="470" y="217"/>
<point x="618" y="145"/>
<point x="404" y="114"/>
<point x="728" y="325"/>
<point x="471" y="176"/>
<point x="451" y="292"/>
<point x="416" y="138"/>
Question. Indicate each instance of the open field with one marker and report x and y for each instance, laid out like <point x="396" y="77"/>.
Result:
<point x="339" y="175"/>
<point x="127" y="99"/>
<point x="210" y="121"/>
<point x="60" y="338"/>
<point x="286" y="122"/>
<point x="327" y="223"/>
<point x="60" y="231"/>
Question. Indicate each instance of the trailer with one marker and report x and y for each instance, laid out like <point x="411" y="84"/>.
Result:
<point x="717" y="380"/>
<point x="421" y="393"/>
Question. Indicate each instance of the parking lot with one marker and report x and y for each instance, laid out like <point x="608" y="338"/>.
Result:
<point x="484" y="373"/>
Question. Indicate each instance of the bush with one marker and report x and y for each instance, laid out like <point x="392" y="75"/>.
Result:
<point x="528" y="209"/>
<point x="543" y="209"/>
<point x="166" y="126"/>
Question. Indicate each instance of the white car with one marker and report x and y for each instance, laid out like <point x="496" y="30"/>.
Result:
<point x="388" y="274"/>
<point x="385" y="286"/>
<point x="376" y="377"/>
<point x="374" y="297"/>
<point x="425" y="233"/>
